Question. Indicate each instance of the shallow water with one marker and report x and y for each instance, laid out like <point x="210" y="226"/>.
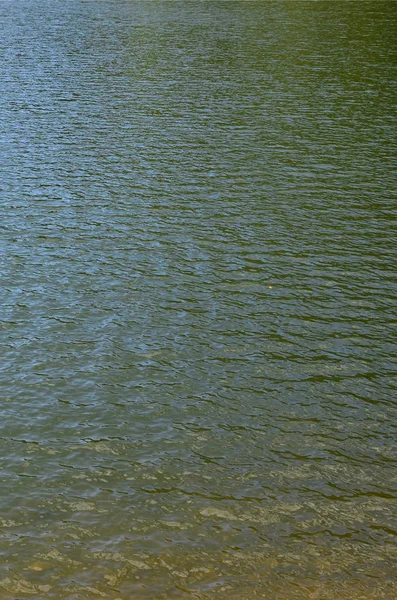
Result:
<point x="198" y="300"/>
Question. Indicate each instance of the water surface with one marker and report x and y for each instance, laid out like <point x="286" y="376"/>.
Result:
<point x="198" y="300"/>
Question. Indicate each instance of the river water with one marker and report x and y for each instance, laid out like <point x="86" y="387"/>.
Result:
<point x="198" y="300"/>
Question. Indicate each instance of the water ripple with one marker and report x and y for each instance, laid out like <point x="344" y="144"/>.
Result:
<point x="198" y="293"/>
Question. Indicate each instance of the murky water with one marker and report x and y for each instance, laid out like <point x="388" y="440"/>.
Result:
<point x="198" y="300"/>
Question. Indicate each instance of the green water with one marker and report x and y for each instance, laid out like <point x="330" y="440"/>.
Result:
<point x="198" y="300"/>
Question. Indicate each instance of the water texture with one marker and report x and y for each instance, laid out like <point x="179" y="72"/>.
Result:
<point x="198" y="300"/>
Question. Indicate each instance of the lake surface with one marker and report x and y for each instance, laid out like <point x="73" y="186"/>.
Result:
<point x="198" y="300"/>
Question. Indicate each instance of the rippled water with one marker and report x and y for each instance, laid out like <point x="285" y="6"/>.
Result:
<point x="198" y="300"/>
